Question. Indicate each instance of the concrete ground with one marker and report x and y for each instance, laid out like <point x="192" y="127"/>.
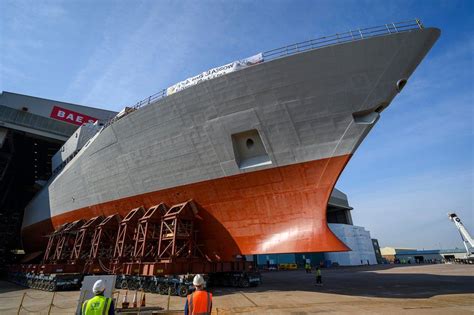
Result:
<point x="407" y="289"/>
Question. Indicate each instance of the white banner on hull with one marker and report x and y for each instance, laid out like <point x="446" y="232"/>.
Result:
<point x="215" y="72"/>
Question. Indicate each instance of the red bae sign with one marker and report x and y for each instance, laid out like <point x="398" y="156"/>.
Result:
<point x="70" y="116"/>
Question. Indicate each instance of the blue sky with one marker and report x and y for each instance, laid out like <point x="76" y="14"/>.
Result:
<point x="415" y="165"/>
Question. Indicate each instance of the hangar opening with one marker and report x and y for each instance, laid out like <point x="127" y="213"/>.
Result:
<point x="32" y="130"/>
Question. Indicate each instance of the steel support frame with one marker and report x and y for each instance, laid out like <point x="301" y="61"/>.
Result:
<point x="66" y="241"/>
<point x="126" y="236"/>
<point x="52" y="241"/>
<point x="102" y="245"/>
<point x="177" y="235"/>
<point x="83" y="241"/>
<point x="148" y="233"/>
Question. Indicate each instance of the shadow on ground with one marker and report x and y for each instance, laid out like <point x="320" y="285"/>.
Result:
<point x="384" y="281"/>
<point x="6" y="287"/>
<point x="371" y="281"/>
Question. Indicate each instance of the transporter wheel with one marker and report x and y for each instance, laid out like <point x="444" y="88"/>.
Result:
<point x="152" y="287"/>
<point x="133" y="285"/>
<point x="163" y="288"/>
<point x="52" y="287"/>
<point x="124" y="285"/>
<point x="244" y="282"/>
<point x="174" y="290"/>
<point x="183" y="290"/>
<point x="235" y="282"/>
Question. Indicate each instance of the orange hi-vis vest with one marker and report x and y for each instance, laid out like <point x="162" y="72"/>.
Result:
<point x="200" y="303"/>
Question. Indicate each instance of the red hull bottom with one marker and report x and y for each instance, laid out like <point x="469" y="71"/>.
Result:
<point x="278" y="210"/>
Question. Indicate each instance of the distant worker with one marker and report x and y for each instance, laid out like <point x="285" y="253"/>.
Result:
<point x="319" y="281"/>
<point x="307" y="267"/>
<point x="99" y="304"/>
<point x="200" y="301"/>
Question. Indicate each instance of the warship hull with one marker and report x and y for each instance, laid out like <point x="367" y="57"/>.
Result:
<point x="259" y="150"/>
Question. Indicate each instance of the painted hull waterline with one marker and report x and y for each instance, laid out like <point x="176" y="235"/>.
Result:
<point x="273" y="210"/>
<point x="305" y="114"/>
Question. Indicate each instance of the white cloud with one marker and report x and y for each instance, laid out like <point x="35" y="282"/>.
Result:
<point x="148" y="54"/>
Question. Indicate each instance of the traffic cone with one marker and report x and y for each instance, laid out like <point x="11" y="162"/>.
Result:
<point x="125" y="300"/>
<point x="134" y="302"/>
<point x="143" y="301"/>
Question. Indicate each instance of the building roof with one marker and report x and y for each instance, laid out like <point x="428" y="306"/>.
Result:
<point x="40" y="106"/>
<point x="47" y="118"/>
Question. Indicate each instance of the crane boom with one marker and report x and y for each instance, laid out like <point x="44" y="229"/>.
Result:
<point x="466" y="237"/>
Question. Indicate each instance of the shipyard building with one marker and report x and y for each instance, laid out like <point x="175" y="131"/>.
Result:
<point x="32" y="130"/>
<point x="412" y="255"/>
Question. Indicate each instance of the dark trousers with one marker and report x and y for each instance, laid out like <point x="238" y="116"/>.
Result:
<point x="318" y="280"/>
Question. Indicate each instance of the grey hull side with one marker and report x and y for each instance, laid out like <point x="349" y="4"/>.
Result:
<point x="302" y="106"/>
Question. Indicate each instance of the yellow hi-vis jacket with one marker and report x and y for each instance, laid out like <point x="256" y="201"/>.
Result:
<point x="98" y="305"/>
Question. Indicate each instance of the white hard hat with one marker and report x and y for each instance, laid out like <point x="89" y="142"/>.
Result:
<point x="98" y="287"/>
<point x="198" y="280"/>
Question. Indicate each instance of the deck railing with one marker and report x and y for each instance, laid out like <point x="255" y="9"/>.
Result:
<point x="338" y="38"/>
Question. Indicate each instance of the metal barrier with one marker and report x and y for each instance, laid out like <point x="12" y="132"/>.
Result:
<point x="338" y="38"/>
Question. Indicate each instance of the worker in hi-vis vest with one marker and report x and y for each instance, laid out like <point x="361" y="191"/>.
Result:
<point x="200" y="301"/>
<point x="99" y="304"/>
<point x="319" y="281"/>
